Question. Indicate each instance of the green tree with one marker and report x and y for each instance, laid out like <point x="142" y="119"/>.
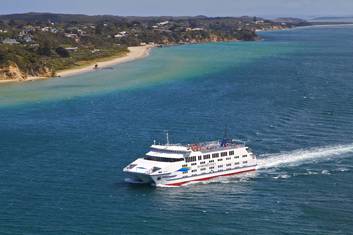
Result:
<point x="62" y="52"/>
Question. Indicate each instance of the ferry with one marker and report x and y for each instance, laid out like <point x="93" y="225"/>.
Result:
<point x="176" y="164"/>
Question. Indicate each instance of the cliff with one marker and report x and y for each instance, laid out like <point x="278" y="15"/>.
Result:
<point x="13" y="72"/>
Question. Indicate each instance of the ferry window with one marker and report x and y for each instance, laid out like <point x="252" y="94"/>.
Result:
<point x="231" y="152"/>
<point x="214" y="155"/>
<point x="191" y="159"/>
<point x="224" y="154"/>
<point x="193" y="164"/>
<point x="228" y="164"/>
<point x="228" y="158"/>
<point x="245" y="155"/>
<point x="245" y="162"/>
<point x="202" y="169"/>
<point x="236" y="157"/>
<point x="220" y="165"/>
<point x="207" y="156"/>
<point x="211" y="167"/>
<point x="202" y="162"/>
<point x="163" y="159"/>
<point x="185" y="165"/>
<point x="193" y="170"/>
<point x="211" y="161"/>
<point x="236" y="163"/>
<point x="220" y="159"/>
<point x="199" y="158"/>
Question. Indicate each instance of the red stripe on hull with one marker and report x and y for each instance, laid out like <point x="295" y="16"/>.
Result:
<point x="211" y="177"/>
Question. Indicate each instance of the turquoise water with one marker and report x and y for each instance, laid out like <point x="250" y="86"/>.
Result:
<point x="64" y="142"/>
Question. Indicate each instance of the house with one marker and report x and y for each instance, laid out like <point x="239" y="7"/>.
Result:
<point x="27" y="39"/>
<point x="71" y="35"/>
<point x="95" y="50"/>
<point x="45" y="29"/>
<point x="194" y="29"/>
<point x="121" y="34"/>
<point x="163" y="23"/>
<point x="71" y="48"/>
<point x="22" y="33"/>
<point x="10" y="41"/>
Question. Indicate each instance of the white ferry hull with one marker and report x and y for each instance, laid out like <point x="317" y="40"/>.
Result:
<point x="203" y="177"/>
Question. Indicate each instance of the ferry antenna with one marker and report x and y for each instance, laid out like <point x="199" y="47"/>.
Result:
<point x="167" y="136"/>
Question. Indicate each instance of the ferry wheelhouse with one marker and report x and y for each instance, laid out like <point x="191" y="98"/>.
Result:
<point x="176" y="164"/>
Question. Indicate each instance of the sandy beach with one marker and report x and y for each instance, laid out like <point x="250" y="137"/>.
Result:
<point x="134" y="53"/>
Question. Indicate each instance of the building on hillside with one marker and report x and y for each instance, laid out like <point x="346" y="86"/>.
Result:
<point x="71" y="48"/>
<point x="163" y="23"/>
<point x="10" y="41"/>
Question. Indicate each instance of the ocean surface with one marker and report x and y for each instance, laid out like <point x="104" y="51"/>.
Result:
<point x="64" y="142"/>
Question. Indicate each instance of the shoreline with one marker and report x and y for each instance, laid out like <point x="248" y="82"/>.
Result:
<point x="135" y="53"/>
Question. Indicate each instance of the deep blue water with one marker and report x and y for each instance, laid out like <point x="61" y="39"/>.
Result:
<point x="63" y="143"/>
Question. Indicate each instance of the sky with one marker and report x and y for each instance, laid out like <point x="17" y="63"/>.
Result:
<point x="262" y="8"/>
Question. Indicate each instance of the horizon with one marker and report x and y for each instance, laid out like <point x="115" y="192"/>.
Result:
<point x="305" y="9"/>
<point x="208" y="16"/>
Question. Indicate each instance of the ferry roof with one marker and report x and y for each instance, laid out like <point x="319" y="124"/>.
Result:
<point x="168" y="151"/>
<point x="208" y="146"/>
<point x="170" y="147"/>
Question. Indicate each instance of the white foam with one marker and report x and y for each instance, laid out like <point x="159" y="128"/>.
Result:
<point x="300" y="156"/>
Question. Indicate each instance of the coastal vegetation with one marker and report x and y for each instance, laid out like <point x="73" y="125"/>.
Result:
<point x="40" y="44"/>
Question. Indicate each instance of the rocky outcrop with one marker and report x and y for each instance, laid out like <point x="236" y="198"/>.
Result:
<point x="11" y="72"/>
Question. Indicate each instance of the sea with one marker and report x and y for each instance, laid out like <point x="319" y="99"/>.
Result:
<point x="289" y="97"/>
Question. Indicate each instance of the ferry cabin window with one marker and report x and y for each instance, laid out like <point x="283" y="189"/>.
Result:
<point x="211" y="167"/>
<point x="202" y="162"/>
<point x="231" y="153"/>
<point x="185" y="165"/>
<point x="228" y="164"/>
<point x="207" y="156"/>
<point x="223" y="154"/>
<point x="236" y="163"/>
<point x="199" y="158"/>
<point x="236" y="157"/>
<point x="202" y="169"/>
<point x="228" y="158"/>
<point x="244" y="162"/>
<point x="220" y="159"/>
<point x="163" y="159"/>
<point x="190" y="159"/>
<point x="193" y="164"/>
<point x="193" y="170"/>
<point x="245" y="155"/>
<point x="219" y="166"/>
<point x="214" y="155"/>
<point x="211" y="161"/>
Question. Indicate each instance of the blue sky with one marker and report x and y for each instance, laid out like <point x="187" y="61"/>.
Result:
<point x="265" y="8"/>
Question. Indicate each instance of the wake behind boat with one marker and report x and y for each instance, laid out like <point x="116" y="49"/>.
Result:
<point x="176" y="164"/>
